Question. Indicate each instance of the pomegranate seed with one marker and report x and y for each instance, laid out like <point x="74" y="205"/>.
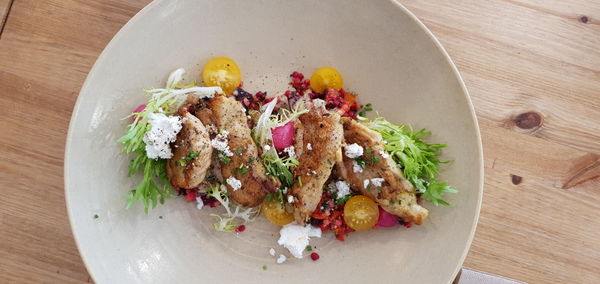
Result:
<point x="240" y="228"/>
<point x="407" y="224"/>
<point x="314" y="256"/>
<point x="190" y="196"/>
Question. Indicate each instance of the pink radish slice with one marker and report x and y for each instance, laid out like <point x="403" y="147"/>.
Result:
<point x="138" y="109"/>
<point x="386" y="219"/>
<point x="283" y="136"/>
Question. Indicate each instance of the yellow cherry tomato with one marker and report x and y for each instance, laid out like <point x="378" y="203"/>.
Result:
<point x="222" y="72"/>
<point x="326" y="77"/>
<point x="275" y="212"/>
<point x="361" y="213"/>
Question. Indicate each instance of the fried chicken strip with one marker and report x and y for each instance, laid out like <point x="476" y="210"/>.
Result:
<point x="242" y="163"/>
<point x="324" y="134"/>
<point x="381" y="179"/>
<point x="191" y="154"/>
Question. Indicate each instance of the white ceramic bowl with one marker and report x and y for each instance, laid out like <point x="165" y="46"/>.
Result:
<point x="384" y="53"/>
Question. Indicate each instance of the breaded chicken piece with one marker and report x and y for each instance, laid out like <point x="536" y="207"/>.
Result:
<point x="229" y="116"/>
<point x="191" y="154"/>
<point x="324" y="133"/>
<point x="395" y="194"/>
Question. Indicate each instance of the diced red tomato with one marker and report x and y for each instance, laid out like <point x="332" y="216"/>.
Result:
<point x="331" y="217"/>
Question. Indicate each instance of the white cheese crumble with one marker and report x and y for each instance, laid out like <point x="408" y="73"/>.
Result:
<point x="220" y="143"/>
<point x="384" y="154"/>
<point x="281" y="259"/>
<point x="272" y="252"/>
<point x="365" y="183"/>
<point x="377" y="181"/>
<point x="234" y="183"/>
<point x="162" y="133"/>
<point x="266" y="148"/>
<point x="295" y="238"/>
<point x="290" y="151"/>
<point x="342" y="189"/>
<point x="356" y="167"/>
<point x="199" y="203"/>
<point x="353" y="151"/>
<point x="290" y="199"/>
<point x="309" y="147"/>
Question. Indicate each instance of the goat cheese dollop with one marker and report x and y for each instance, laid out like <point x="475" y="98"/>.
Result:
<point x="162" y="133"/>
<point x="290" y="151"/>
<point x="221" y="144"/>
<point x="295" y="238"/>
<point x="234" y="183"/>
<point x="342" y="189"/>
<point x="353" y="151"/>
<point x="377" y="181"/>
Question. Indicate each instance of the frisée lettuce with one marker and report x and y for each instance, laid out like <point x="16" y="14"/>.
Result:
<point x="418" y="159"/>
<point x="154" y="187"/>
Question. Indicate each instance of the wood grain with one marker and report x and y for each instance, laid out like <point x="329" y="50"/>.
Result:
<point x="532" y="68"/>
<point x="5" y="6"/>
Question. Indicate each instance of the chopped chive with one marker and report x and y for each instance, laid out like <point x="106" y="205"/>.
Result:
<point x="226" y="160"/>
<point x="308" y="248"/>
<point x="96" y="216"/>
<point x="244" y="170"/>
<point x="264" y="267"/>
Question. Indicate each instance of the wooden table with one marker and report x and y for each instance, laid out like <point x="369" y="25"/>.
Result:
<point x="532" y="68"/>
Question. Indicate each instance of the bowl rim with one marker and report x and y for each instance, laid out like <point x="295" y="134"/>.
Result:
<point x="151" y="6"/>
<point x="465" y="92"/>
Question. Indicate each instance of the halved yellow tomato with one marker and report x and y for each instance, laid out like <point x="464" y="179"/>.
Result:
<point x="326" y="77"/>
<point x="275" y="212"/>
<point x="361" y="213"/>
<point x="222" y="72"/>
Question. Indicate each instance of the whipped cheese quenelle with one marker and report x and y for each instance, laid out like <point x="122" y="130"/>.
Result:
<point x="296" y="238"/>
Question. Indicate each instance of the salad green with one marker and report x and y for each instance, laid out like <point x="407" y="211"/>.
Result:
<point x="226" y="220"/>
<point x="262" y="134"/>
<point x="154" y="187"/>
<point x="418" y="159"/>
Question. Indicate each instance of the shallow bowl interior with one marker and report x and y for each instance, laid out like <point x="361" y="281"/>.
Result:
<point x="384" y="53"/>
